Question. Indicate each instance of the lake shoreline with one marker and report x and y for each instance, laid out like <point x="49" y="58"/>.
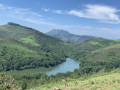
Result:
<point x="68" y="66"/>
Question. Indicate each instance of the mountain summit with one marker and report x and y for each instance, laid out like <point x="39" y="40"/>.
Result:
<point x="68" y="37"/>
<point x="56" y="32"/>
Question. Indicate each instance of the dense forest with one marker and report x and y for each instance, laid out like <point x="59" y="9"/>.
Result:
<point x="24" y="48"/>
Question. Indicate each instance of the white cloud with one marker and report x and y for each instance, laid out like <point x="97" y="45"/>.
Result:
<point x="105" y="14"/>
<point x="16" y="12"/>
<point x="54" y="11"/>
<point x="27" y="15"/>
<point x="99" y="12"/>
<point x="0" y="5"/>
<point x="35" y="21"/>
<point x="58" y="11"/>
<point x="46" y="9"/>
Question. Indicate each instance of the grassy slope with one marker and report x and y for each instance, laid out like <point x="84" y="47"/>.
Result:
<point x="82" y="49"/>
<point x="97" y="43"/>
<point x="107" y="54"/>
<point x="100" y="81"/>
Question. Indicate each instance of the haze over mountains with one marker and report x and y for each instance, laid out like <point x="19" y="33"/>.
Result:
<point x="68" y="37"/>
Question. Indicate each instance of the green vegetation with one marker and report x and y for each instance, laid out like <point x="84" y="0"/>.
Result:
<point x="30" y="40"/>
<point x="102" y="81"/>
<point x="85" y="48"/>
<point x="105" y="58"/>
<point x="25" y="48"/>
<point x="94" y="43"/>
<point x="7" y="83"/>
<point x="107" y="54"/>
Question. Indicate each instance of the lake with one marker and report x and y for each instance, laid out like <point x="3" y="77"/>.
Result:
<point x="68" y="66"/>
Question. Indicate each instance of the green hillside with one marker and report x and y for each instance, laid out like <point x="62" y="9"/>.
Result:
<point x="23" y="48"/>
<point x="100" y="81"/>
<point x="84" y="48"/>
<point x="105" y="58"/>
<point x="26" y="48"/>
<point x="108" y="54"/>
<point x="87" y="67"/>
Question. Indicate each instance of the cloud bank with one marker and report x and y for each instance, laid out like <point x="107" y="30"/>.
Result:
<point x="100" y="12"/>
<point x="105" y="14"/>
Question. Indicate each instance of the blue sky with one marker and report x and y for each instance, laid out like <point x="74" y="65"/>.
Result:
<point x="83" y="17"/>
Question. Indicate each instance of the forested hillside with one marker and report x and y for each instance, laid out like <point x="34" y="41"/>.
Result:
<point x="26" y="48"/>
<point x="23" y="48"/>
<point x="105" y="58"/>
<point x="82" y="49"/>
<point x="97" y="54"/>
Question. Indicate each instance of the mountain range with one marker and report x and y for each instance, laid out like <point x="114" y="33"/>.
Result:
<point x="68" y="37"/>
<point x="22" y="47"/>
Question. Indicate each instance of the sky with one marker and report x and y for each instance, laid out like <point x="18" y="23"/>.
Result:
<point x="99" y="18"/>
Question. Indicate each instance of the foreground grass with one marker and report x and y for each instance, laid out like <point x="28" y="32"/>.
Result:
<point x="100" y="81"/>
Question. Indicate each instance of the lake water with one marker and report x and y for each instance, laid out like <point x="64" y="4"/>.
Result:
<point x="68" y="66"/>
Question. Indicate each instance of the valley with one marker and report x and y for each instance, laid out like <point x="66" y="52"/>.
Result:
<point x="59" y="45"/>
<point x="33" y="58"/>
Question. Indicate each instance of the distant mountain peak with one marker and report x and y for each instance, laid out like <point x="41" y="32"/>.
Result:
<point x="68" y="37"/>
<point x="58" y="32"/>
